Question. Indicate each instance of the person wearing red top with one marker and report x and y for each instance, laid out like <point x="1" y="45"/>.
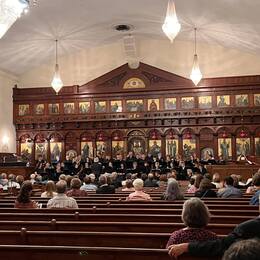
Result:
<point x="75" y="189"/>
<point x="195" y="216"/>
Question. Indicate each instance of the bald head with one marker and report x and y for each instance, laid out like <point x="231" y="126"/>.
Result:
<point x="61" y="186"/>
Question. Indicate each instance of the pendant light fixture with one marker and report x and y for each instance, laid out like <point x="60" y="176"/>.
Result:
<point x="195" y="75"/>
<point x="171" y="26"/>
<point x="56" y="83"/>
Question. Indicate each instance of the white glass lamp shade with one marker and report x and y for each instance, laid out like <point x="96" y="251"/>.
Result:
<point x="196" y="75"/>
<point x="57" y="83"/>
<point x="171" y="26"/>
<point x="10" y="11"/>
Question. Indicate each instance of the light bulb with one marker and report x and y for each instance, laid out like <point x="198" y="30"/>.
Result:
<point x="57" y="83"/>
<point x="196" y="75"/>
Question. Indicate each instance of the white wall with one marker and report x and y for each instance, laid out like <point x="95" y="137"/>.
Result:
<point x="7" y="129"/>
<point x="215" y="61"/>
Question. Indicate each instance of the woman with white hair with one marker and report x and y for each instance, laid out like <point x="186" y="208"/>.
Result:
<point x="138" y="194"/>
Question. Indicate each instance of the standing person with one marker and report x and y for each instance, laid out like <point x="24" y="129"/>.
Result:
<point x="62" y="200"/>
<point x="23" y="199"/>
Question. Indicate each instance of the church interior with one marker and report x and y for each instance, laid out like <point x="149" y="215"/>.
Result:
<point x="130" y="129"/>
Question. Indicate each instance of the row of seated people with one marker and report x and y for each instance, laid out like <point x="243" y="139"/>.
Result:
<point x="132" y="164"/>
<point x="194" y="238"/>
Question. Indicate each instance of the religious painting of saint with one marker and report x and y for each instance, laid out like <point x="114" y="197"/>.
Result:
<point x="86" y="149"/>
<point x="100" y="106"/>
<point x="153" y="105"/>
<point x="41" y="150"/>
<point x="243" y="146"/>
<point x="24" y="110"/>
<point x="257" y="146"/>
<point x="56" y="149"/>
<point x="242" y="100"/>
<point x="170" y="103"/>
<point x="117" y="148"/>
<point x="69" y="108"/>
<point x="101" y="148"/>
<point x="39" y="109"/>
<point x="172" y="146"/>
<point x="135" y="105"/>
<point x="189" y="148"/>
<point x="72" y="154"/>
<point x="136" y="145"/>
<point x="223" y="101"/>
<point x="205" y="102"/>
<point x="26" y="151"/>
<point x="84" y="107"/>
<point x="116" y="106"/>
<point x="207" y="153"/>
<point x="225" y="148"/>
<point x="54" y="109"/>
<point x="187" y="102"/>
<point x="155" y="147"/>
<point x="257" y="99"/>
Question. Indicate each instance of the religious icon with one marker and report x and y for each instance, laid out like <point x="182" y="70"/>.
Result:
<point x="189" y="148"/>
<point x="72" y="154"/>
<point x="117" y="148"/>
<point x="224" y="148"/>
<point x="100" y="106"/>
<point x="207" y="153"/>
<point x="116" y="106"/>
<point x="153" y="105"/>
<point x="86" y="150"/>
<point x="134" y="105"/>
<point x="101" y="148"/>
<point x="54" y="109"/>
<point x="187" y="102"/>
<point x="242" y="100"/>
<point x="257" y="146"/>
<point x="24" y="110"/>
<point x="205" y="102"/>
<point x="69" y="108"/>
<point x="223" y="101"/>
<point x="155" y="147"/>
<point x="172" y="147"/>
<point x="26" y="151"/>
<point x="39" y="109"/>
<point x="243" y="146"/>
<point x="170" y="103"/>
<point x="257" y="99"/>
<point x="84" y="107"/>
<point x="41" y="150"/>
<point x="134" y="83"/>
<point x="55" y="148"/>
<point x="136" y="145"/>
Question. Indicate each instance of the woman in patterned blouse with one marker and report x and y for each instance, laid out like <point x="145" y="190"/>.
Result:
<point x="195" y="216"/>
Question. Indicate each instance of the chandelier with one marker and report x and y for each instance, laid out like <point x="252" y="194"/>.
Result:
<point x="195" y="75"/>
<point x="171" y="26"/>
<point x="10" y="11"/>
<point x="56" y="83"/>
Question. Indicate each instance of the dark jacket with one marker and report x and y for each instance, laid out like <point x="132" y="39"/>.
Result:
<point x="205" y="194"/>
<point x="246" y="230"/>
<point x="106" y="189"/>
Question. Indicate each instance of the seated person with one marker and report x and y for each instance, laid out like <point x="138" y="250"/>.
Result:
<point x="23" y="199"/>
<point x="243" y="250"/>
<point x="104" y="187"/>
<point x="256" y="183"/>
<point x="229" y="191"/>
<point x="192" y="188"/>
<point x="128" y="186"/>
<point x="62" y="200"/>
<point x="138" y="194"/>
<point x="173" y="191"/>
<point x="150" y="181"/>
<point x="216" y="180"/>
<point x="195" y="216"/>
<point x="50" y="191"/>
<point x="88" y="185"/>
<point x="75" y="191"/>
<point x="205" y="189"/>
<point x="212" y="248"/>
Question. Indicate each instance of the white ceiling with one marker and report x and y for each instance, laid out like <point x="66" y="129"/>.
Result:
<point x="80" y="24"/>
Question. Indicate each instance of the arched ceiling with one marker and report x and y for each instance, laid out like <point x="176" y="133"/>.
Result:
<point x="81" y="24"/>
